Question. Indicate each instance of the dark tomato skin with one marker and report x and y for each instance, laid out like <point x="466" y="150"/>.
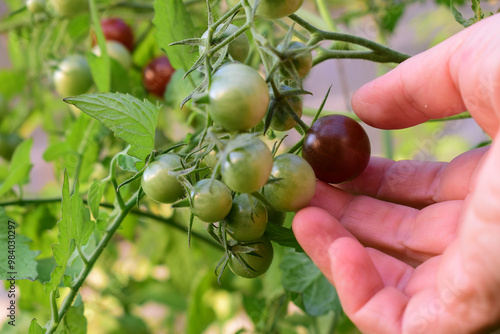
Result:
<point x="156" y="75"/>
<point x="337" y="148"/>
<point x="115" y="29"/>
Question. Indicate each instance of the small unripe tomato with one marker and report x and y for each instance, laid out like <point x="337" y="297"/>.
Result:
<point x="337" y="148"/>
<point x="69" y="7"/>
<point x="238" y="97"/>
<point x="238" y="48"/>
<point x="115" y="29"/>
<point x="301" y="62"/>
<point x="210" y="200"/>
<point x="255" y="263"/>
<point x="116" y="51"/>
<point x="73" y="76"/>
<point x="158" y="184"/>
<point x="156" y="75"/>
<point x="275" y="9"/>
<point x="295" y="185"/>
<point x="282" y="120"/>
<point x="247" y="219"/>
<point x="35" y="6"/>
<point x="247" y="169"/>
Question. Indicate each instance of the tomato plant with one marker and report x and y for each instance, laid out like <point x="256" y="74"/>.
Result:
<point x="72" y="76"/>
<point x="210" y="200"/>
<point x="251" y="259"/>
<point x="238" y="97"/>
<point x="294" y="184"/>
<point x="35" y="6"/>
<point x="119" y="200"/>
<point x="282" y="119"/>
<point x="238" y="48"/>
<point x="115" y="29"/>
<point x="275" y="9"/>
<point x="247" y="168"/>
<point x="247" y="219"/>
<point x="156" y="75"/>
<point x="69" y="7"/>
<point x="116" y="51"/>
<point x="337" y="148"/>
<point x="296" y="62"/>
<point x="157" y="181"/>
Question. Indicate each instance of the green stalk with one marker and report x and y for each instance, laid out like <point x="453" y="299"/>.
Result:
<point x="68" y="301"/>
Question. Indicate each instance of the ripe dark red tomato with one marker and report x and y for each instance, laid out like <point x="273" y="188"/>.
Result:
<point x="337" y="148"/>
<point x="115" y="29"/>
<point x="156" y="75"/>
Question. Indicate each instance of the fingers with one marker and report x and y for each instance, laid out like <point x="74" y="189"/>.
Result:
<point x="373" y="306"/>
<point x="406" y="233"/>
<point x="417" y="183"/>
<point x="457" y="75"/>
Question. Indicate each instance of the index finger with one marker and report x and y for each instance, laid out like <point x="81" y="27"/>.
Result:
<point x="457" y="75"/>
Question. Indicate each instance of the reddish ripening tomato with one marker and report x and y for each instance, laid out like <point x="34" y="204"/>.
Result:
<point x="115" y="29"/>
<point x="156" y="75"/>
<point x="337" y="148"/>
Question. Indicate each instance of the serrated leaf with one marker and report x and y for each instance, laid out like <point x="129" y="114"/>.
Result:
<point x="80" y="219"/>
<point x="35" y="328"/>
<point x="173" y="23"/>
<point x="74" y="322"/>
<point x="129" y="118"/>
<point x="127" y="162"/>
<point x="19" y="168"/>
<point x="283" y="236"/>
<point x="95" y="194"/>
<point x="301" y="275"/>
<point x="25" y="265"/>
<point x="66" y="246"/>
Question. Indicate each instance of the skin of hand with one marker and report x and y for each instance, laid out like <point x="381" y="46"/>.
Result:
<point x="414" y="246"/>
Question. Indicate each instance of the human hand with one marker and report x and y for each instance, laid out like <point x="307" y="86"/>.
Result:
<point x="414" y="247"/>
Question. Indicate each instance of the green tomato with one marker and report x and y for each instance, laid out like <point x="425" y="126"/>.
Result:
<point x="73" y="76"/>
<point x="275" y="9"/>
<point x="211" y="200"/>
<point x="35" y="6"/>
<point x="301" y="62"/>
<point x="246" y="169"/>
<point x="116" y="51"/>
<point x="254" y="263"/>
<point x="282" y="121"/>
<point x="247" y="219"/>
<point x="296" y="186"/>
<point x="238" y="48"/>
<point x="238" y="97"/>
<point x="158" y="184"/>
<point x="8" y="144"/>
<point x="69" y="7"/>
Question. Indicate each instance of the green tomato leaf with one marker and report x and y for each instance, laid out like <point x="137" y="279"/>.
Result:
<point x="19" y="168"/>
<point x="127" y="163"/>
<point x="95" y="194"/>
<point x="129" y="118"/>
<point x="300" y="275"/>
<point x="23" y="258"/>
<point x="74" y="322"/>
<point x="80" y="219"/>
<point x="35" y="328"/>
<point x="66" y="246"/>
<point x="173" y="23"/>
<point x="283" y="236"/>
